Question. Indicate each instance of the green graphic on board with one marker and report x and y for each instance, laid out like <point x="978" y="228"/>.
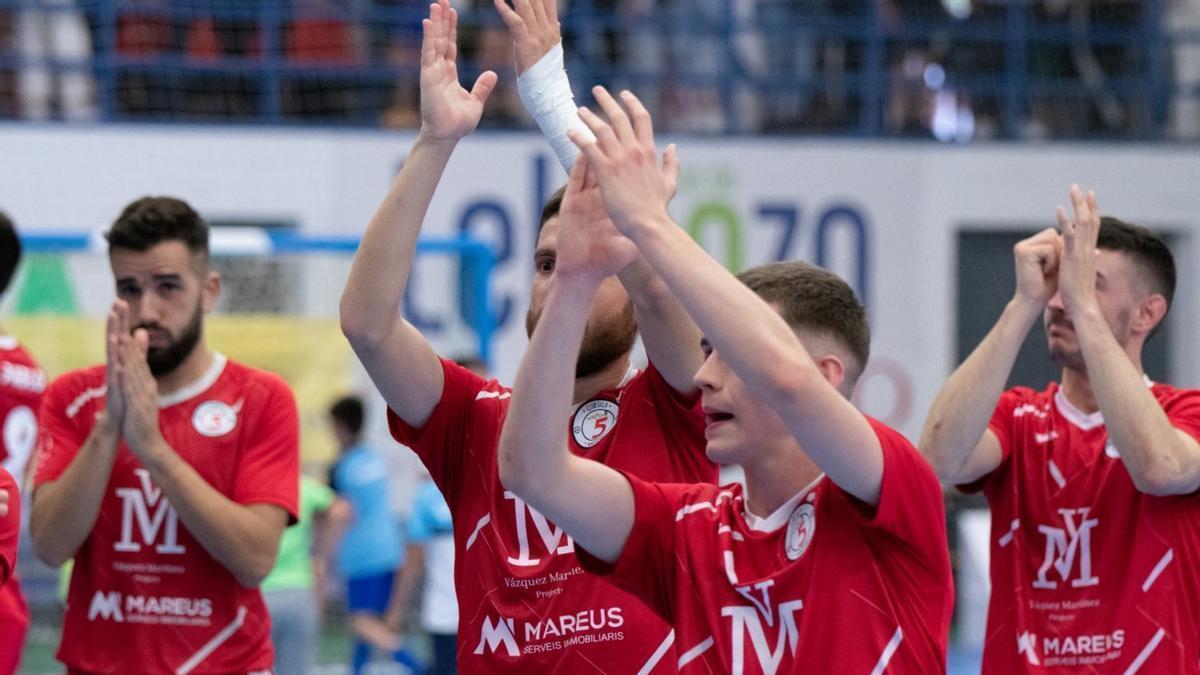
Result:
<point x="46" y="288"/>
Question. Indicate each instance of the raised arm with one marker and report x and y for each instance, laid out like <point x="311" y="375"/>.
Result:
<point x="750" y="336"/>
<point x="956" y="439"/>
<point x="64" y="510"/>
<point x="590" y="501"/>
<point x="398" y="358"/>
<point x="1161" y="458"/>
<point x="671" y="339"/>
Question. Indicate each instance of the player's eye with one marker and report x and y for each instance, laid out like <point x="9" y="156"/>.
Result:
<point x="544" y="265"/>
<point x="128" y="292"/>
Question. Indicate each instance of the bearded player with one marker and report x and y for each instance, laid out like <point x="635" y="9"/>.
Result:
<point x="1092" y="481"/>
<point x="168" y="473"/>
<point x="524" y="607"/>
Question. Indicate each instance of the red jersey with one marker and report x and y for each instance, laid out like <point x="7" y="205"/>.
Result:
<point x="22" y="383"/>
<point x="145" y="596"/>
<point x="1089" y="575"/>
<point x="525" y="605"/>
<point x="10" y="528"/>
<point x="826" y="584"/>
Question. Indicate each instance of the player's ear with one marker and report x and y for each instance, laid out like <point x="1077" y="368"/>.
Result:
<point x="211" y="290"/>
<point x="832" y="368"/>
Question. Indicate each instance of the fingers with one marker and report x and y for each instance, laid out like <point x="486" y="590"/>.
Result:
<point x="141" y="341"/>
<point x="428" y="53"/>
<point x="670" y="168"/>
<point x="515" y="23"/>
<point x="643" y="125"/>
<point x="485" y="84"/>
<point x="615" y="113"/>
<point x="605" y="138"/>
<point x="452" y="35"/>
<point x="550" y="10"/>
<point x="575" y="180"/>
<point x="525" y="11"/>
<point x="587" y="146"/>
<point x="538" y="8"/>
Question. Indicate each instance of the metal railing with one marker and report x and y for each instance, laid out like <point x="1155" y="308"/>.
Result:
<point x="952" y="70"/>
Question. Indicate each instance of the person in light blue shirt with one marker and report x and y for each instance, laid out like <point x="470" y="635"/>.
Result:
<point x="430" y="555"/>
<point x="370" y="549"/>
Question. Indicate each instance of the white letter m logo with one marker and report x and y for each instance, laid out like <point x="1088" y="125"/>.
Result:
<point x="492" y="634"/>
<point x="106" y="606"/>
<point x="135" y="506"/>
<point x="1062" y="546"/>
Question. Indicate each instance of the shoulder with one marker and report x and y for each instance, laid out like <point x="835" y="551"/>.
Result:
<point x="73" y="390"/>
<point x="256" y="378"/>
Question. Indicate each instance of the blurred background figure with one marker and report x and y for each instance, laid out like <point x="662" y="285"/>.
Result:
<point x="369" y="549"/>
<point x="294" y="589"/>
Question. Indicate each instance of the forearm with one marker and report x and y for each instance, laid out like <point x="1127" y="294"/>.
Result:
<point x="546" y="93"/>
<point x="533" y="444"/>
<point x="1160" y="458"/>
<point x="965" y="404"/>
<point x="65" y="510"/>
<point x="242" y="539"/>
<point x="409" y="577"/>
<point x="671" y="338"/>
<point x="721" y="307"/>
<point x="383" y="261"/>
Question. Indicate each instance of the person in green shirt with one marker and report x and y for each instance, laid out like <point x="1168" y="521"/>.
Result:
<point x="293" y="589"/>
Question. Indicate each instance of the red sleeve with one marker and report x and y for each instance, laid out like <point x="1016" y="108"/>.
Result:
<point x="683" y="424"/>
<point x="59" y="436"/>
<point x="646" y="566"/>
<point x="10" y="527"/>
<point x="269" y="468"/>
<point x="443" y="442"/>
<point x="911" y="508"/>
<point x="1001" y="424"/>
<point x="1182" y="407"/>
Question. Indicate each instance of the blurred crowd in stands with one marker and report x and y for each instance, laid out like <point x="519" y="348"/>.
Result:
<point x="955" y="70"/>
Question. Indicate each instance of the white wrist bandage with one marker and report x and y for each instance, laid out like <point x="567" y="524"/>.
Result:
<point x="546" y="93"/>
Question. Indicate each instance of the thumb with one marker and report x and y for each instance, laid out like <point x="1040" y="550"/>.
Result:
<point x="484" y="85"/>
<point x="141" y="339"/>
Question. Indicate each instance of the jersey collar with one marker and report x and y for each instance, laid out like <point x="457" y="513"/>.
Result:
<point x="199" y="386"/>
<point x="1085" y="421"/>
<point x="780" y="516"/>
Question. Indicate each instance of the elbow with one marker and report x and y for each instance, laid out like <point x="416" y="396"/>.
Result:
<point x="359" y="329"/>
<point x="251" y="574"/>
<point x="47" y="550"/>
<point x="1161" y="481"/>
<point x="509" y="465"/>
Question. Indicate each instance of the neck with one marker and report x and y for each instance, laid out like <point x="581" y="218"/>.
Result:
<point x="1077" y="387"/>
<point x="772" y="478"/>
<point x="608" y="378"/>
<point x="192" y="368"/>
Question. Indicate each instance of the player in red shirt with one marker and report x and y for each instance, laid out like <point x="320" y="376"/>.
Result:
<point x="168" y="473"/>
<point x="833" y="557"/>
<point x="21" y="385"/>
<point x="524" y="604"/>
<point x="1091" y="482"/>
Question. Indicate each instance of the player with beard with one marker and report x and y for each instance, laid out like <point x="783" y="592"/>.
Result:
<point x="523" y="605"/>
<point x="1092" y="481"/>
<point x="168" y="473"/>
<point x="21" y="388"/>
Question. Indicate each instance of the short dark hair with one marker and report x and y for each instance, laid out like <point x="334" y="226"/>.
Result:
<point x="348" y="412"/>
<point x="150" y="221"/>
<point x="815" y="299"/>
<point x="1147" y="250"/>
<point x="551" y="207"/>
<point x="10" y="251"/>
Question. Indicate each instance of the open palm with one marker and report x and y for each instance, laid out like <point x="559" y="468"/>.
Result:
<point x="448" y="111"/>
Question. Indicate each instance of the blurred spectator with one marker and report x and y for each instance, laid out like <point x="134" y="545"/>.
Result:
<point x="1183" y="17"/>
<point x="54" y="31"/>
<point x="369" y="549"/>
<point x="429" y="563"/>
<point x="317" y="36"/>
<point x="293" y="590"/>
